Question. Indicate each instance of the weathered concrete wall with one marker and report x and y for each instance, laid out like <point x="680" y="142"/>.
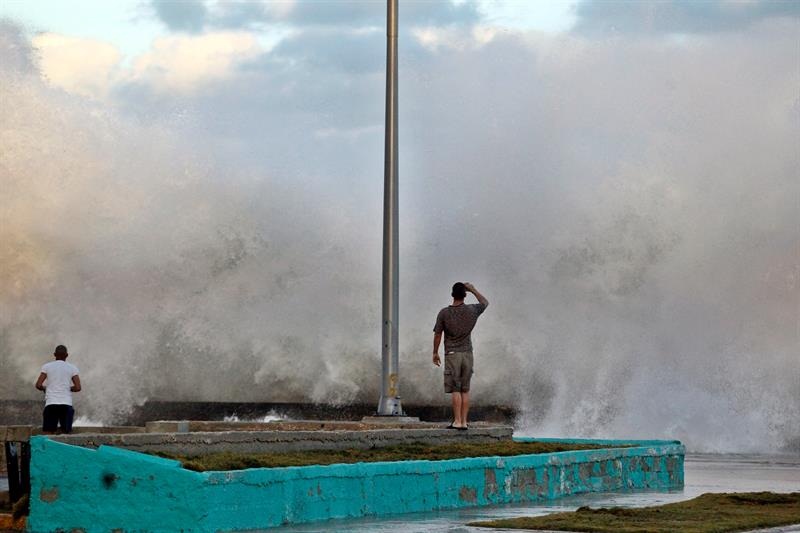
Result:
<point x="30" y="411"/>
<point x="23" y="434"/>
<point x="109" y="489"/>
<point x="206" y="442"/>
<point x="160" y="410"/>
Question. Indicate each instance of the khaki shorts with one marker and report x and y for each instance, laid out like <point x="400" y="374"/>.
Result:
<point x="457" y="371"/>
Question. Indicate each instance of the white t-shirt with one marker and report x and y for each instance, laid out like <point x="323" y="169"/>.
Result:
<point x="58" y="382"/>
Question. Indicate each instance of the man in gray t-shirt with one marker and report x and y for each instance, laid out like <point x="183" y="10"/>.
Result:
<point x="456" y="322"/>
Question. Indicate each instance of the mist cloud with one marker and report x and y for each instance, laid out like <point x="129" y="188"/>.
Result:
<point x="628" y="206"/>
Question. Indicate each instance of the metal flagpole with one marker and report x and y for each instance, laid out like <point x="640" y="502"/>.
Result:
<point x="389" y="404"/>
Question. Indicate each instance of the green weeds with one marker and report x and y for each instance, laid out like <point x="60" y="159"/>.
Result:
<point x="708" y="513"/>
<point x="406" y="452"/>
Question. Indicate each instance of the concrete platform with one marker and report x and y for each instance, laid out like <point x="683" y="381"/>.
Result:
<point x="184" y="426"/>
<point x="201" y="438"/>
<point x="100" y="481"/>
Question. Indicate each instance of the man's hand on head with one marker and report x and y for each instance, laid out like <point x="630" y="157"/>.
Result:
<point x="471" y="288"/>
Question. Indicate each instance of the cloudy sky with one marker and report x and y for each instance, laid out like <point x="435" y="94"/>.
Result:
<point x="192" y="202"/>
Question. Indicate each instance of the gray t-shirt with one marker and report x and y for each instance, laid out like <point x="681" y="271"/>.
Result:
<point x="457" y="323"/>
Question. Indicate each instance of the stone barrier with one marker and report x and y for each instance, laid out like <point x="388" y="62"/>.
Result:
<point x="111" y="489"/>
<point x="30" y="411"/>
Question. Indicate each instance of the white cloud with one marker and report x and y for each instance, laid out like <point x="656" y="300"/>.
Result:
<point x="83" y="66"/>
<point x="92" y="68"/>
<point x="184" y="62"/>
<point x="456" y="38"/>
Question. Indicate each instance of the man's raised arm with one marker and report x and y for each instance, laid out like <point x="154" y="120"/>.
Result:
<point x="481" y="298"/>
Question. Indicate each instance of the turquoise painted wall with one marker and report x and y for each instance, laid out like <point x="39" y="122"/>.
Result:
<point x="111" y="489"/>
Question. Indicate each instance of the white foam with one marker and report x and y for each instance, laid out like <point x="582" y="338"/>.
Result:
<point x="637" y="238"/>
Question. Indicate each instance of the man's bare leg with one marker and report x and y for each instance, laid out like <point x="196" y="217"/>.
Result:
<point x="456" y="398"/>
<point x="464" y="408"/>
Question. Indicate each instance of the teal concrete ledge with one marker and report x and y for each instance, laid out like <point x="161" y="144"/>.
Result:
<point x="110" y="489"/>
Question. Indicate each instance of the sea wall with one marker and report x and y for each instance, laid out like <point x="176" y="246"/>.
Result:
<point x="30" y="411"/>
<point x="110" y="489"/>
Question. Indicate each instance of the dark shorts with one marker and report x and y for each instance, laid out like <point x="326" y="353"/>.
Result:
<point x="457" y="371"/>
<point x="56" y="415"/>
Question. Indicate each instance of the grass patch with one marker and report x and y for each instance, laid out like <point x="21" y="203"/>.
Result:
<point x="708" y="513"/>
<point x="405" y="452"/>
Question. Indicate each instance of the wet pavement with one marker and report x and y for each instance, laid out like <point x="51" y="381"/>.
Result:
<point x="703" y="473"/>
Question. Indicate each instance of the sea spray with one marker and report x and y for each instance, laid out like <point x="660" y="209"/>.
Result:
<point x="637" y="239"/>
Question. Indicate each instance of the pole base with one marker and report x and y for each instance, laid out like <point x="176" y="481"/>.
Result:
<point x="390" y="406"/>
<point x="378" y="420"/>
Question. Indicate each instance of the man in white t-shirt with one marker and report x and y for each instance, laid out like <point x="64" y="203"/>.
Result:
<point x="62" y="380"/>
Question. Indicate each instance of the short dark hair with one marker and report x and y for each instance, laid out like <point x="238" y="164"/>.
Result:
<point x="61" y="351"/>
<point x="459" y="291"/>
